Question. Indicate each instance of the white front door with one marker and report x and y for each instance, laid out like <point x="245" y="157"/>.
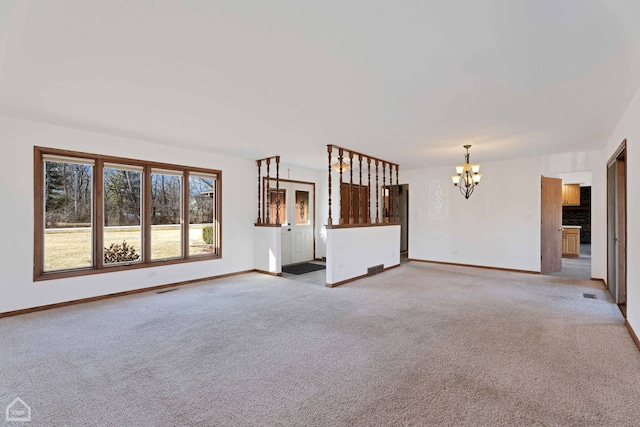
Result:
<point x="301" y="212"/>
<point x="297" y="213"/>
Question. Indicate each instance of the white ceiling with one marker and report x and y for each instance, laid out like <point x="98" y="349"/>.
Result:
<point x="408" y="81"/>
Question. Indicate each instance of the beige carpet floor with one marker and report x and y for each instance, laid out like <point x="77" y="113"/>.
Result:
<point x="418" y="345"/>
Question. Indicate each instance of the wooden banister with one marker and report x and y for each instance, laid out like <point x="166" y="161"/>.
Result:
<point x="358" y="211"/>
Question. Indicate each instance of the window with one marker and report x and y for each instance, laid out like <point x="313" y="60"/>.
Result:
<point x="122" y="230"/>
<point x="302" y="207"/>
<point x="202" y="230"/>
<point x="67" y="204"/>
<point x="99" y="213"/>
<point x="166" y="214"/>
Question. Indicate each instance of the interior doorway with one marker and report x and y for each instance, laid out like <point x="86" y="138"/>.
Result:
<point x="617" y="227"/>
<point x="403" y="192"/>
<point x="576" y="224"/>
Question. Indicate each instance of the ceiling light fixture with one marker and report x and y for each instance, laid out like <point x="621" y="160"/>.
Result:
<point x="337" y="166"/>
<point x="467" y="176"/>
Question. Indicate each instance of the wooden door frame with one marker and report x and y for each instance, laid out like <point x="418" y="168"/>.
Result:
<point x="621" y="151"/>
<point x="315" y="202"/>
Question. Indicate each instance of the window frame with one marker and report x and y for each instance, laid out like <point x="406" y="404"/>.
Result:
<point x="97" y="230"/>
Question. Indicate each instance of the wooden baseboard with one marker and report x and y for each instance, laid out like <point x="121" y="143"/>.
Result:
<point x="117" y="294"/>
<point x="633" y="334"/>
<point x="353" y="279"/>
<point x="513" y="270"/>
<point x="270" y="273"/>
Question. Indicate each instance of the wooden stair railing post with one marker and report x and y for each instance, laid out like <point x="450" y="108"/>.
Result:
<point x="350" y="187"/>
<point x="329" y="150"/>
<point x="368" y="190"/>
<point x="340" y="157"/>
<point x="268" y="194"/>
<point x="377" y="195"/>
<point x="259" y="221"/>
<point x="360" y="212"/>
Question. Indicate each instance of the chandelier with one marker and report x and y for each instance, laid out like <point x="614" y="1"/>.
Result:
<point x="467" y="176"/>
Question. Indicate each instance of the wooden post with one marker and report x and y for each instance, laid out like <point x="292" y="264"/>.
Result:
<point x="329" y="150"/>
<point x="377" y="195"/>
<point x="397" y="195"/>
<point x="369" y="190"/>
<point x="340" y="153"/>
<point x="385" y="197"/>
<point x="351" y="188"/>
<point x="267" y="203"/>
<point x="360" y="212"/>
<point x="391" y="192"/>
<point x="278" y="190"/>
<point x="392" y="195"/>
<point x="259" y="221"/>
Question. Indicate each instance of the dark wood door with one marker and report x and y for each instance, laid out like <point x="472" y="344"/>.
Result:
<point x="551" y="225"/>
<point x="355" y="203"/>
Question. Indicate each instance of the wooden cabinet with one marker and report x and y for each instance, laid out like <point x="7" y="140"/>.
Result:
<point x="571" y="195"/>
<point x="571" y="242"/>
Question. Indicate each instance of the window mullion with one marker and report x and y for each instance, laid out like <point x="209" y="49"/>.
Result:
<point x="185" y="215"/>
<point x="98" y="215"/>
<point x="146" y="214"/>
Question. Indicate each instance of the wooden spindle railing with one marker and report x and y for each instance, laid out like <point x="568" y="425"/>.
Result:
<point x="355" y="197"/>
<point x="264" y="193"/>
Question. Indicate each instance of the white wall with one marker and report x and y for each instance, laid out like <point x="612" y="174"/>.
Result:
<point x="499" y="225"/>
<point x="351" y="251"/>
<point x="629" y="129"/>
<point x="17" y="289"/>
